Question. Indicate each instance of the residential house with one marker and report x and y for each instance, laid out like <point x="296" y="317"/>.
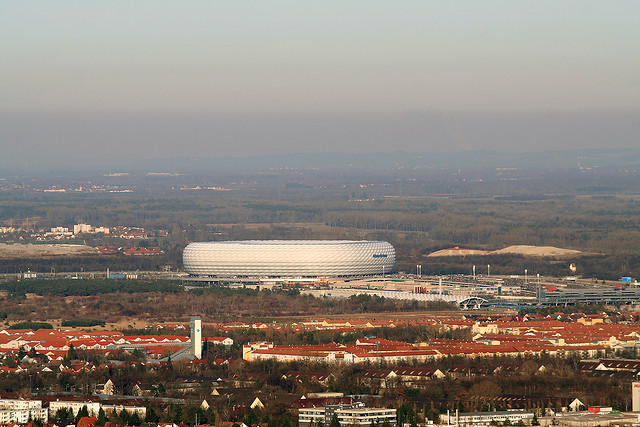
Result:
<point x="382" y="378"/>
<point x="303" y="376"/>
<point x="417" y="377"/>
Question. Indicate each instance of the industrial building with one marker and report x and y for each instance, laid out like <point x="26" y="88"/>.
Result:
<point x="617" y="295"/>
<point x="486" y="418"/>
<point x="289" y="258"/>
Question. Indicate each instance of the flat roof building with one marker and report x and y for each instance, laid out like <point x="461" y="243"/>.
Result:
<point x="554" y="296"/>
<point x="348" y="415"/>
<point x="485" y="418"/>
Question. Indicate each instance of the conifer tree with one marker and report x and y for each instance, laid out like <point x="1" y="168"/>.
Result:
<point x="83" y="412"/>
<point x="125" y="416"/>
<point x="135" y="420"/>
<point x="102" y="418"/>
<point x="151" y="416"/>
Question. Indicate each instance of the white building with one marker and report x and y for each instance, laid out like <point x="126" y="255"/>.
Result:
<point x="74" y="406"/>
<point x="635" y="396"/>
<point x="59" y="232"/>
<point x="289" y="258"/>
<point x="196" y="336"/>
<point x="140" y="410"/>
<point x="348" y="415"/>
<point x="30" y="275"/>
<point x="88" y="229"/>
<point x="485" y="418"/>
<point x="21" y="411"/>
<point x="81" y="228"/>
<point x="226" y="341"/>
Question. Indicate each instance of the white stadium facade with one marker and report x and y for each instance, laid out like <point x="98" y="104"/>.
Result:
<point x="289" y="258"/>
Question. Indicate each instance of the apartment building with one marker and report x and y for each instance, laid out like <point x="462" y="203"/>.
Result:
<point x="348" y="415"/>
<point x="21" y="411"/>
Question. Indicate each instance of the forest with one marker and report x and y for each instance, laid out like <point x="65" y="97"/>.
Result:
<point x="126" y="301"/>
<point x="481" y="210"/>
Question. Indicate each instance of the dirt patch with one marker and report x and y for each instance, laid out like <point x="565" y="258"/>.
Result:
<point x="29" y="250"/>
<point x="114" y="326"/>
<point x="459" y="252"/>
<point x="541" y="251"/>
<point x="524" y="250"/>
<point x="124" y="324"/>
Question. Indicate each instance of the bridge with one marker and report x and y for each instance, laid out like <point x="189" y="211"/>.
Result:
<point x="472" y="303"/>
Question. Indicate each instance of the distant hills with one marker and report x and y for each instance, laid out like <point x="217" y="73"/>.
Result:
<point x="399" y="160"/>
<point x="216" y="142"/>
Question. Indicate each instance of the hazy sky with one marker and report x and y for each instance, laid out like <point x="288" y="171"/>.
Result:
<point x="307" y="58"/>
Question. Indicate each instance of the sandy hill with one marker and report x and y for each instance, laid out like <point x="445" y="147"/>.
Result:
<point x="459" y="252"/>
<point x="525" y="250"/>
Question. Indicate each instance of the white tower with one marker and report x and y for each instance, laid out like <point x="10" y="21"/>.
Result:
<point x="196" y="336"/>
<point x="635" y="396"/>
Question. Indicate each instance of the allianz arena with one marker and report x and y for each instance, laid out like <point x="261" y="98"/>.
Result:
<point x="289" y="258"/>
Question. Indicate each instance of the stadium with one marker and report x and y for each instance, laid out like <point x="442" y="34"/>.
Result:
<point x="289" y="258"/>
